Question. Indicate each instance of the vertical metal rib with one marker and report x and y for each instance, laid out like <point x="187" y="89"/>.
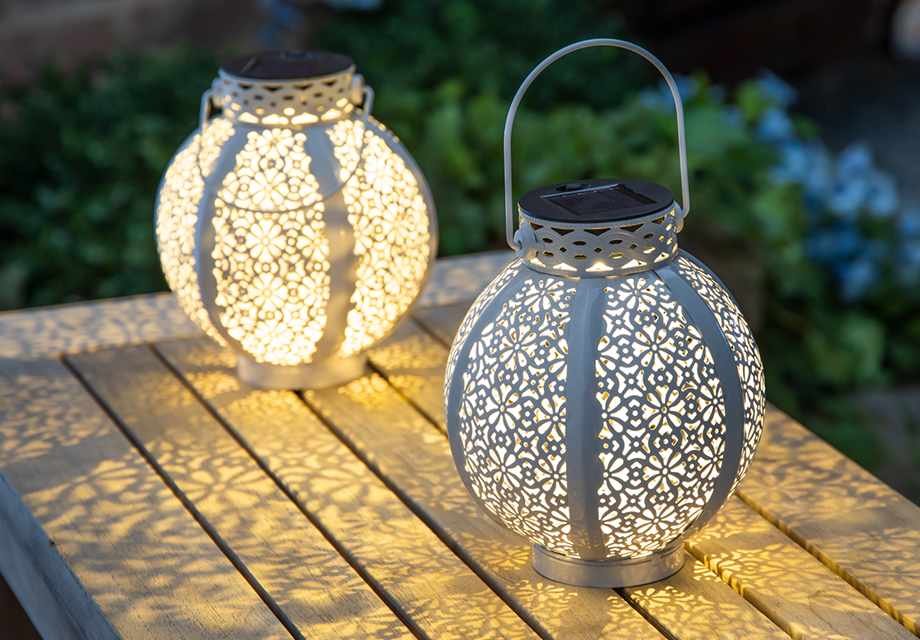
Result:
<point x="733" y="395"/>
<point x="583" y="418"/>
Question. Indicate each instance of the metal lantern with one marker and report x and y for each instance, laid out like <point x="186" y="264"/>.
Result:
<point x="293" y="227"/>
<point x="604" y="395"/>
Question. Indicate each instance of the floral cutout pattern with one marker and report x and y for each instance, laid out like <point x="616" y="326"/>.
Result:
<point x="177" y="216"/>
<point x="272" y="269"/>
<point x="744" y="352"/>
<point x="512" y="414"/>
<point x="389" y="217"/>
<point x="663" y="418"/>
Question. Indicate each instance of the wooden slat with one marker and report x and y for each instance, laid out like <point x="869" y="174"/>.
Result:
<point x="695" y="599"/>
<point x="798" y="600"/>
<point x="855" y="524"/>
<point x="784" y="581"/>
<point x="460" y="278"/>
<point x="316" y="589"/>
<point x="437" y="592"/>
<point x="71" y="328"/>
<point x="414" y="457"/>
<point x="109" y="550"/>
<point x="86" y="326"/>
<point x="443" y="322"/>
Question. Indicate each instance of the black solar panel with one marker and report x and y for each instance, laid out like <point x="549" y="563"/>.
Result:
<point x="609" y="200"/>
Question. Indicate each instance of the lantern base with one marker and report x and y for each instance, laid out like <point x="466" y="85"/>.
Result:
<point x="321" y="375"/>
<point x="609" y="574"/>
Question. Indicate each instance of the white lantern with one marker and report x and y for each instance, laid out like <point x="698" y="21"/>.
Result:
<point x="293" y="227"/>
<point x="604" y="395"/>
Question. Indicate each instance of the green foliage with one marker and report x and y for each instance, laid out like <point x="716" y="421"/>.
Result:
<point x="81" y="158"/>
<point x="80" y="161"/>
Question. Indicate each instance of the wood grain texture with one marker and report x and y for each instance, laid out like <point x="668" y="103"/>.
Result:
<point x="315" y="588"/>
<point x="696" y="599"/>
<point x="109" y="541"/>
<point x="856" y="525"/>
<point x="774" y="573"/>
<point x="414" y="457"/>
<point x="438" y="593"/>
<point x="461" y="278"/>
<point x="785" y="582"/>
<point x="71" y="328"/>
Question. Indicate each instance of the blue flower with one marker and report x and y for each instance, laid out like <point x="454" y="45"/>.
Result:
<point x="847" y="196"/>
<point x="882" y="200"/>
<point x="855" y="161"/>
<point x="909" y="262"/>
<point x="794" y="164"/>
<point x="909" y="221"/>
<point x="775" y="126"/>
<point x="775" y="89"/>
<point x="836" y="244"/>
<point x="857" y="277"/>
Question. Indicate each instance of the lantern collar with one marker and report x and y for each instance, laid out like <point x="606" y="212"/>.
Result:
<point x="597" y="228"/>
<point x="287" y="89"/>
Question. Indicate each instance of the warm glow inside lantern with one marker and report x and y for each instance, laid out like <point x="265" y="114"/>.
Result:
<point x="604" y="395"/>
<point x="293" y="227"/>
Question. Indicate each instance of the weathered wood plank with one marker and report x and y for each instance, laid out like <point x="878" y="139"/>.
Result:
<point x="785" y="582"/>
<point x="460" y="278"/>
<point x="695" y="598"/>
<point x="108" y="542"/>
<point x="86" y="326"/>
<point x="71" y="328"/>
<point x="414" y="457"/>
<point x="443" y="322"/>
<point x="798" y="597"/>
<point x="437" y="592"/>
<point x="315" y="588"/>
<point x="858" y="526"/>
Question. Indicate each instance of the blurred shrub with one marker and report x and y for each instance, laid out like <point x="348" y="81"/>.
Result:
<point x="80" y="160"/>
<point x="823" y="268"/>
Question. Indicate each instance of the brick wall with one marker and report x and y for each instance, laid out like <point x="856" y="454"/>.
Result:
<point x="33" y="32"/>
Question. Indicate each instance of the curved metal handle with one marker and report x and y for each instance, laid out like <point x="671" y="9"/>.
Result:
<point x="584" y="44"/>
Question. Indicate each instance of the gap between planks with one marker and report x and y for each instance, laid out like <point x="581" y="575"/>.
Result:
<point x="439" y="324"/>
<point x="361" y="515"/>
<point x="97" y="507"/>
<point x="304" y="581"/>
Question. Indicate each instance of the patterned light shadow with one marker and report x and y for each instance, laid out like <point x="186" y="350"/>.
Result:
<point x="859" y="527"/>
<point x="398" y="551"/>
<point x="782" y="580"/>
<point x="308" y="579"/>
<point x="134" y="547"/>
<point x="414" y="456"/>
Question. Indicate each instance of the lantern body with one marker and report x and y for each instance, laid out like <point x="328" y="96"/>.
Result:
<point x="294" y="228"/>
<point x="604" y="395"/>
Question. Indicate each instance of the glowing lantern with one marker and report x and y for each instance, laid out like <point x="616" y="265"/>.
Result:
<point x="604" y="395"/>
<point x="294" y="227"/>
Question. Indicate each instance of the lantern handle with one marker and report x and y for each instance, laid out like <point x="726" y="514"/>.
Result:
<point x="681" y="212"/>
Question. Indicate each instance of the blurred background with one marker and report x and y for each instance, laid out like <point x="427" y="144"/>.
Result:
<point x="803" y="124"/>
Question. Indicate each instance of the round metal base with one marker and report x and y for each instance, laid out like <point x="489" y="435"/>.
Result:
<point x="302" y="376"/>
<point x="607" y="574"/>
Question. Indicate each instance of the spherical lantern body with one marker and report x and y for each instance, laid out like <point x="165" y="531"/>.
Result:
<point x="294" y="228"/>
<point x="604" y="395"/>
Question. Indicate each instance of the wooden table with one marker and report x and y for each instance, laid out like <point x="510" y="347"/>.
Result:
<point x="146" y="493"/>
